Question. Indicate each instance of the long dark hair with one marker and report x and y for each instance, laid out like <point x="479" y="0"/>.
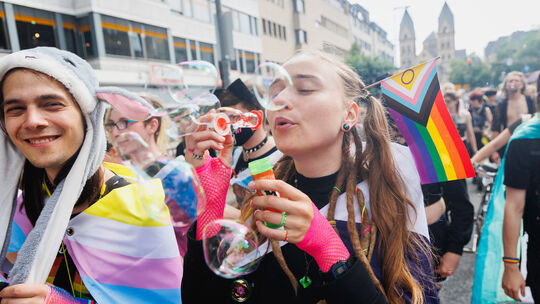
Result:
<point x="34" y="195"/>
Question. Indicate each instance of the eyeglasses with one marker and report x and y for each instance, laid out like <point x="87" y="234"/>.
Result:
<point x="120" y="125"/>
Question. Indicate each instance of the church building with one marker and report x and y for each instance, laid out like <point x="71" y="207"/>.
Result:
<point x="440" y="43"/>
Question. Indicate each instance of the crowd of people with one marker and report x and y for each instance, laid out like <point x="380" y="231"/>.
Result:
<point x="354" y="225"/>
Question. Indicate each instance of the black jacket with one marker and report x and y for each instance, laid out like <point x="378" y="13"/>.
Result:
<point x="269" y="284"/>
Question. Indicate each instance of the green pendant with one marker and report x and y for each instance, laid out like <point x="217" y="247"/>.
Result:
<point x="305" y="281"/>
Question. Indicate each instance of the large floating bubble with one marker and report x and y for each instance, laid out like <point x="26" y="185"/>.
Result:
<point x="178" y="180"/>
<point x="231" y="249"/>
<point x="199" y="77"/>
<point x="271" y="78"/>
<point x="164" y="79"/>
<point x="185" y="117"/>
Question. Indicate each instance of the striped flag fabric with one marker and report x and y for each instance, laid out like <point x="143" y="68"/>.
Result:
<point x="124" y="253"/>
<point x="415" y="101"/>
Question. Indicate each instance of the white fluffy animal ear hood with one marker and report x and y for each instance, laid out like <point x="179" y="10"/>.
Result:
<point x="37" y="254"/>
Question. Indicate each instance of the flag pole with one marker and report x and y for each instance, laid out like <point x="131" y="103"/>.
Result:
<point x="378" y="82"/>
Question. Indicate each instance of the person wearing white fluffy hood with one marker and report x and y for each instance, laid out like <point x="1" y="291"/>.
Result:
<point x="52" y="148"/>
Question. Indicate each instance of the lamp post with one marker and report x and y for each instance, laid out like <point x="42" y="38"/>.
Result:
<point x="224" y="64"/>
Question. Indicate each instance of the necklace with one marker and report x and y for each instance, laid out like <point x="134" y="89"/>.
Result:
<point x="245" y="152"/>
<point x="305" y="281"/>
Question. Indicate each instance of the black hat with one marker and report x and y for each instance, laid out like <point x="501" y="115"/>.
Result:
<point x="490" y="92"/>
<point x="239" y="91"/>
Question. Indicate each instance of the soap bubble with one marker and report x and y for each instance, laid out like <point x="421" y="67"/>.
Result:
<point x="273" y="79"/>
<point x="231" y="249"/>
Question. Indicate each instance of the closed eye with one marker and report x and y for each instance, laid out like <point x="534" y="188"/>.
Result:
<point x="13" y="110"/>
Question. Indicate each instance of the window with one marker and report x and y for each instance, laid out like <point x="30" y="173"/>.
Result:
<point x="201" y="10"/>
<point x="193" y="50"/>
<point x="3" y="30"/>
<point x="284" y="33"/>
<point x="244" y="25"/>
<point x="187" y="8"/>
<point x="85" y="36"/>
<point x="301" y="37"/>
<point x="279" y="31"/>
<point x="269" y="28"/>
<point x="250" y="62"/>
<point x="156" y="42"/>
<point x="254" y="26"/>
<point x="115" y="34"/>
<point x="180" y="50"/>
<point x="35" y="27"/>
<point x="136" y="39"/>
<point x="70" y="32"/>
<point x="264" y="26"/>
<point x="240" y="61"/>
<point x="234" y="65"/>
<point x="133" y="39"/>
<point x="299" y="6"/>
<point x="275" y="29"/>
<point x="207" y="52"/>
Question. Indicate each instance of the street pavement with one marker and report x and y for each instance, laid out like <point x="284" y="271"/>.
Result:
<point x="457" y="289"/>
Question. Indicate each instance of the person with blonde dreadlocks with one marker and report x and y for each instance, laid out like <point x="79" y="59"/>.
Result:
<point x="378" y="250"/>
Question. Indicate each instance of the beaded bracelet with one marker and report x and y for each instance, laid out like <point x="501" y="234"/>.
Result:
<point x="195" y="156"/>
<point x="510" y="260"/>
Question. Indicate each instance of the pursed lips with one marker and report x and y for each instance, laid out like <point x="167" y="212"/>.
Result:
<point x="283" y="122"/>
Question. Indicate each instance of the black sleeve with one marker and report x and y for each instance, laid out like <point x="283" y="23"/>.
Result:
<point x="517" y="166"/>
<point x="197" y="277"/>
<point x="461" y="213"/>
<point x="497" y="118"/>
<point x="432" y="193"/>
<point x="354" y="286"/>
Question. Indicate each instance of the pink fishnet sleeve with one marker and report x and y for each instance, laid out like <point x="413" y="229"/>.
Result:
<point x="59" y="296"/>
<point x="323" y="243"/>
<point x="214" y="177"/>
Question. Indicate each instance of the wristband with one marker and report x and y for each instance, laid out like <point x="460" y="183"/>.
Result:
<point x="338" y="269"/>
<point x="510" y="260"/>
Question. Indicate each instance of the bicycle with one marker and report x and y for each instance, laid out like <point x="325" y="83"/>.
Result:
<point x="487" y="173"/>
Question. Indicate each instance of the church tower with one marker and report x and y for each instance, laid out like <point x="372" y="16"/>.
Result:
<point x="407" y="41"/>
<point x="446" y="44"/>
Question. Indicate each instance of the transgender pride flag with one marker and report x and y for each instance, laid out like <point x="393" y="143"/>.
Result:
<point x="415" y="102"/>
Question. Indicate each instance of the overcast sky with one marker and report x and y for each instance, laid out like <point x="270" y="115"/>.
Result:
<point x="476" y="22"/>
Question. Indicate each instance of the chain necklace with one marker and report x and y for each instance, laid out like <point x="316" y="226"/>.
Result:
<point x="246" y="152"/>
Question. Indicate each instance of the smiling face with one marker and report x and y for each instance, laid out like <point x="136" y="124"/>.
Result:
<point x="41" y="119"/>
<point x="315" y="108"/>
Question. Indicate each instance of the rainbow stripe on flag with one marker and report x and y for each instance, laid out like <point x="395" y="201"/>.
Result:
<point x="415" y="102"/>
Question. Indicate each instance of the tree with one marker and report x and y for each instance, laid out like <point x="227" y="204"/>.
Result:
<point x="370" y="68"/>
<point x="471" y="71"/>
<point x="522" y="55"/>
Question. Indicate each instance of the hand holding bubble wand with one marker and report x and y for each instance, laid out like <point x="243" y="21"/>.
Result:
<point x="188" y="120"/>
<point x="232" y="248"/>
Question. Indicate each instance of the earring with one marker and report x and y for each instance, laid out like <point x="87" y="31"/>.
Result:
<point x="346" y="127"/>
